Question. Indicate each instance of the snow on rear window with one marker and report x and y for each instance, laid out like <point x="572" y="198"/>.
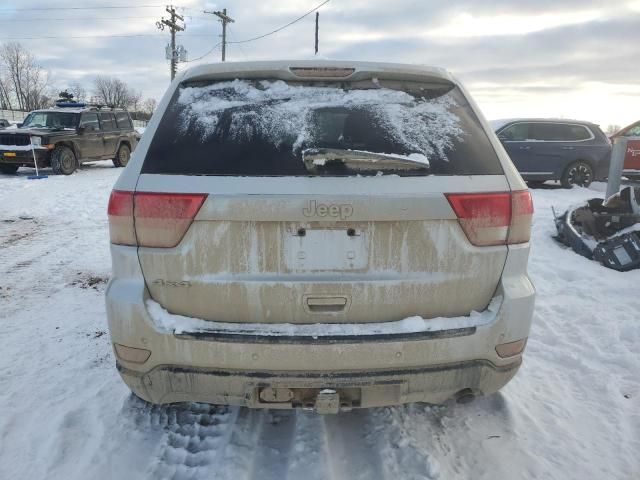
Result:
<point x="280" y="112"/>
<point x="267" y="127"/>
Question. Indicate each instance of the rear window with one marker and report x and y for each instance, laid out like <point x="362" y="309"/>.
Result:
<point x="577" y="132"/>
<point x="123" y="121"/>
<point x="558" y="132"/>
<point x="273" y="128"/>
<point x="547" y="132"/>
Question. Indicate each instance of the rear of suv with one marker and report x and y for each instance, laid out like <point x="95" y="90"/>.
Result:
<point x="324" y="235"/>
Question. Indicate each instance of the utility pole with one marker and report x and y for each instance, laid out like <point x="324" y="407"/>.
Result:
<point x="224" y="18"/>
<point x="317" y="21"/>
<point x="173" y="28"/>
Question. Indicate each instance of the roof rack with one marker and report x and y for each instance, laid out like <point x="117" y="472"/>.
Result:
<point x="86" y="106"/>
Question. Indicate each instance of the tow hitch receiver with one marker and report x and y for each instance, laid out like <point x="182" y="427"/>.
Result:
<point x="327" y="402"/>
<point x="320" y="400"/>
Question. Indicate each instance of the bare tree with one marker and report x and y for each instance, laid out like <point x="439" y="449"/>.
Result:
<point x="78" y="91"/>
<point x="5" y="92"/>
<point x="27" y="79"/>
<point x="611" y="129"/>
<point x="114" y="92"/>
<point x="135" y="97"/>
<point x="149" y="106"/>
<point x="45" y="100"/>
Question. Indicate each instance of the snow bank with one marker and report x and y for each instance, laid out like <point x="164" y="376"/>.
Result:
<point x="179" y="324"/>
<point x="278" y="111"/>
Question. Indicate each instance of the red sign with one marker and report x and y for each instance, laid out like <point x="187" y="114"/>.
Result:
<point x="632" y="157"/>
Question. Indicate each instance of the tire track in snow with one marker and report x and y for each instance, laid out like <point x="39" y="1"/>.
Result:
<point x="351" y="452"/>
<point x="204" y="441"/>
<point x="275" y="440"/>
<point x="241" y="445"/>
<point x="310" y="456"/>
<point x="194" y="435"/>
<point x="403" y="452"/>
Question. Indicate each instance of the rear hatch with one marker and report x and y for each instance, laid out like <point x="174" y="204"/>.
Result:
<point x="262" y="200"/>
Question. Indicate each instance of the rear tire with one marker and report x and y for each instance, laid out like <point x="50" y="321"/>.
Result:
<point x="63" y="160"/>
<point x="8" y="169"/>
<point x="122" y="157"/>
<point x="578" y="173"/>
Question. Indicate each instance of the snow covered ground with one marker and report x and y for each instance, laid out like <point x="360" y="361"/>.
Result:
<point x="572" y="412"/>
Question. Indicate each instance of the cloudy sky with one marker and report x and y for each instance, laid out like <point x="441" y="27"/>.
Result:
<point x="560" y="58"/>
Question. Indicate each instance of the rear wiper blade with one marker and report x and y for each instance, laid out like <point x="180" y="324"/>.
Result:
<point x="316" y="158"/>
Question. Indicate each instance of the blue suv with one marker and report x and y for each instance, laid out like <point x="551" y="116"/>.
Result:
<point x="571" y="151"/>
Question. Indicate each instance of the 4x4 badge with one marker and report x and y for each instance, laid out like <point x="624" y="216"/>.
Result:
<point x="166" y="283"/>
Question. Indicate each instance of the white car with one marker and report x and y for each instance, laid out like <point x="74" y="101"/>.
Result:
<point x="320" y="235"/>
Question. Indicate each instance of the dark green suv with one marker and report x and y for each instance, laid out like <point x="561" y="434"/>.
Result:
<point x="66" y="136"/>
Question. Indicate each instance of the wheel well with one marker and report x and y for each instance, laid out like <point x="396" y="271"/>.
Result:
<point x="580" y="160"/>
<point x="124" y="142"/>
<point x="70" y="145"/>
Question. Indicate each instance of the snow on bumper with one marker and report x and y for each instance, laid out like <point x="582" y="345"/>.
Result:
<point x="186" y="326"/>
<point x="430" y="365"/>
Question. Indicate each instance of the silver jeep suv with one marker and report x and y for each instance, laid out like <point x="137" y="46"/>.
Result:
<point x="323" y="235"/>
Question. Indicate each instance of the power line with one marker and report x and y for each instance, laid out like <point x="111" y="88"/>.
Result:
<point x="106" y="36"/>
<point x="283" y="27"/>
<point x="73" y="19"/>
<point x="70" y="19"/>
<point x="202" y="56"/>
<point x="235" y="42"/>
<point x="102" y="7"/>
<point x="86" y="36"/>
<point x="239" y="45"/>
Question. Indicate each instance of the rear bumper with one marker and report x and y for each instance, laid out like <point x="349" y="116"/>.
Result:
<point x="231" y="369"/>
<point x="360" y="389"/>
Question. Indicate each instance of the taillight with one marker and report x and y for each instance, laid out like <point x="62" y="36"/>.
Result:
<point x="521" y="216"/>
<point x="162" y="219"/>
<point x="152" y="219"/>
<point x="120" y="210"/>
<point x="494" y="218"/>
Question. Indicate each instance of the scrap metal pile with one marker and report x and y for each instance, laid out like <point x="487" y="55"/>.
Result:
<point x="607" y="231"/>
